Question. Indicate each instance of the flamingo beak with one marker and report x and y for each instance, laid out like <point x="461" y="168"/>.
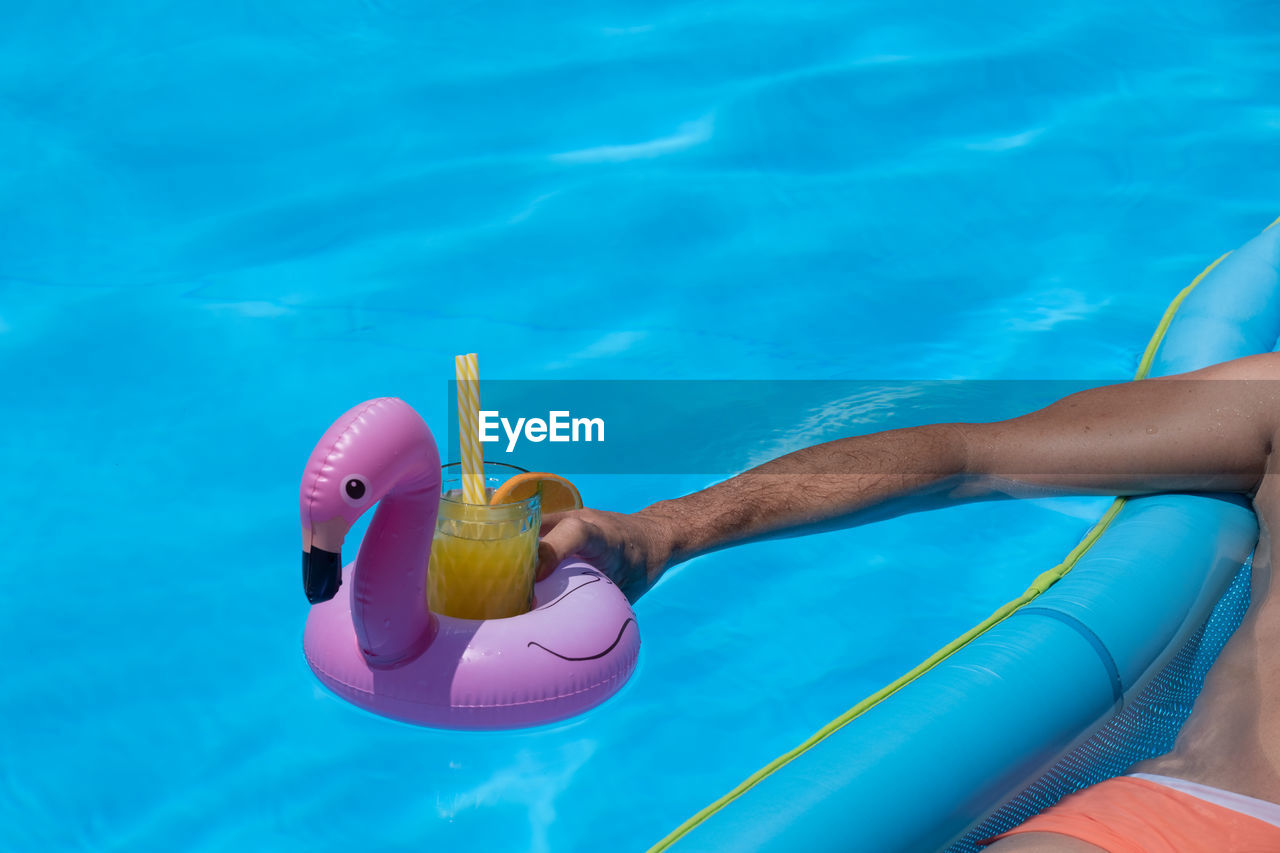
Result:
<point x="321" y="574"/>
<point x="322" y="558"/>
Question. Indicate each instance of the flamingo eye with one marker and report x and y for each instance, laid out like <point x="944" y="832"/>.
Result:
<point x="354" y="487"/>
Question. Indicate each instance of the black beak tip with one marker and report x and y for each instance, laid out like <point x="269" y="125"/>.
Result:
<point x="321" y="574"/>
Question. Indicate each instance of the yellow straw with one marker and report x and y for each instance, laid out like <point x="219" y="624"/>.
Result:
<point x="469" y="428"/>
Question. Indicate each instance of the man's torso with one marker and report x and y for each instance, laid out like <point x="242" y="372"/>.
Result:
<point x="1232" y="739"/>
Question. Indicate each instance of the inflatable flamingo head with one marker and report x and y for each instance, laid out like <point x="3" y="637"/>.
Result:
<point x="380" y="448"/>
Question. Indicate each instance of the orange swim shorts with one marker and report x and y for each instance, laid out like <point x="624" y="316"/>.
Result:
<point x="1127" y="815"/>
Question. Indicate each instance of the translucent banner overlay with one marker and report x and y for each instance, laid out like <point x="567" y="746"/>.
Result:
<point x="720" y="428"/>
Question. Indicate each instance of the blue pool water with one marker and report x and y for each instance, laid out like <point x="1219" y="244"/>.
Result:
<point x="219" y="229"/>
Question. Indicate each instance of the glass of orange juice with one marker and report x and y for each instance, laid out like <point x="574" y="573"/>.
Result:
<point x="483" y="556"/>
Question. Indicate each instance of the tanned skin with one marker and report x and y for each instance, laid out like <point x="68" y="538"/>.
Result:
<point x="1211" y="430"/>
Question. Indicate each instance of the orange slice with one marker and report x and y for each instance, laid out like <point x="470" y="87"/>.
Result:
<point x="558" y="494"/>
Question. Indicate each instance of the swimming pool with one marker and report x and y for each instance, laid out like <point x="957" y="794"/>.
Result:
<point x="219" y="231"/>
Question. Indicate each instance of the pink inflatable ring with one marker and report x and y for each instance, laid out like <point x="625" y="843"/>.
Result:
<point x="370" y="637"/>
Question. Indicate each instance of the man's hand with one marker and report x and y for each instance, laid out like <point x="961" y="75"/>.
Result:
<point x="633" y="550"/>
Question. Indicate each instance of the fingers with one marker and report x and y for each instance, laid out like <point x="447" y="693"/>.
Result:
<point x="547" y="561"/>
<point x="562" y="537"/>
<point x="551" y="519"/>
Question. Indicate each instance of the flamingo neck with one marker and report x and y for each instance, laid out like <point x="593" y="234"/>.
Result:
<point x="388" y="598"/>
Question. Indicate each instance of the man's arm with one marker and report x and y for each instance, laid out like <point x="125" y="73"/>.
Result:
<point x="1210" y="430"/>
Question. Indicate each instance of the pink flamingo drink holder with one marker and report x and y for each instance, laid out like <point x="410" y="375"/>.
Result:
<point x="370" y="637"/>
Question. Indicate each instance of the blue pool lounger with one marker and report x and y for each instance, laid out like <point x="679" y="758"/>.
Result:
<point x="1094" y="667"/>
